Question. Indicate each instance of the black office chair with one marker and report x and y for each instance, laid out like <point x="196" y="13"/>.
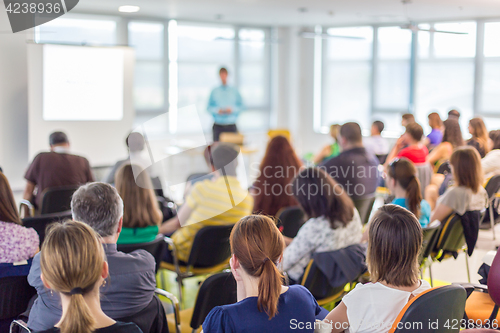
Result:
<point x="157" y="248"/>
<point x="40" y="223"/>
<point x="382" y="158"/>
<point x="57" y="199"/>
<point x="218" y="289"/>
<point x="492" y="187"/>
<point x="364" y="207"/>
<point x="444" y="168"/>
<point x="290" y="219"/>
<point x="430" y="237"/>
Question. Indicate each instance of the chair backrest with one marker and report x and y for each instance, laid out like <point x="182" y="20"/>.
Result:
<point x="40" y="223"/>
<point x="494" y="280"/>
<point x="210" y="246"/>
<point x="493" y="186"/>
<point x="364" y="207"/>
<point x="430" y="310"/>
<point x="451" y="236"/>
<point x="382" y="158"/>
<point x="424" y="175"/>
<point x="290" y="219"/>
<point x="151" y="319"/>
<point x="57" y="199"/>
<point x="157" y="248"/>
<point x="15" y="293"/>
<point x="281" y="132"/>
<point x="444" y="168"/>
<point x="218" y="289"/>
<point x="430" y="236"/>
<point x="317" y="283"/>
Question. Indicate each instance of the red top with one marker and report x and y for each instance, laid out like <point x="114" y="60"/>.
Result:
<point x="416" y="154"/>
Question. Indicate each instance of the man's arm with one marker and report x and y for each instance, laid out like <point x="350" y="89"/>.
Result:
<point x="168" y="227"/>
<point x="28" y="191"/>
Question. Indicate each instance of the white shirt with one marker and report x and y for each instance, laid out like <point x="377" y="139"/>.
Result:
<point x="373" y="307"/>
<point x="376" y="145"/>
<point x="316" y="235"/>
<point x="491" y="163"/>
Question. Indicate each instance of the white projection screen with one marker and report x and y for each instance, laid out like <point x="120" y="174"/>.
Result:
<point x="84" y="91"/>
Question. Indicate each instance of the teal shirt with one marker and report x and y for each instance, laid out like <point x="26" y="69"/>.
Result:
<point x="224" y="97"/>
<point x="138" y="235"/>
<point x="425" y="210"/>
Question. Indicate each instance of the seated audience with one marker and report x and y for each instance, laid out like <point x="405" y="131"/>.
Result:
<point x="55" y="168"/>
<point x="436" y="135"/>
<point x="467" y="194"/>
<point x="452" y="138"/>
<point x="219" y="201"/>
<point x="264" y="303"/>
<point x="132" y="280"/>
<point x="415" y="151"/>
<point x="407" y="119"/>
<point x="376" y="144"/>
<point x="141" y="214"/>
<point x="17" y="243"/>
<point x="74" y="266"/>
<point x="394" y="242"/>
<point x="354" y="169"/>
<point x="491" y="162"/>
<point x="454" y="114"/>
<point x="403" y="183"/>
<point x="332" y="150"/>
<point x="333" y="222"/>
<point x="278" y="167"/>
<point x="480" y="139"/>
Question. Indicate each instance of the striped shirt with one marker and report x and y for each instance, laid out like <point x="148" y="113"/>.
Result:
<point x="212" y="202"/>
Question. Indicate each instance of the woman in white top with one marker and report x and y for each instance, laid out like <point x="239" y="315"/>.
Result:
<point x="394" y="241"/>
<point x="333" y="222"/>
<point x="491" y="162"/>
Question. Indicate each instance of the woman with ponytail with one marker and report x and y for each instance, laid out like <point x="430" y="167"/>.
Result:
<point x="73" y="265"/>
<point x="264" y="303"/>
<point x="405" y="186"/>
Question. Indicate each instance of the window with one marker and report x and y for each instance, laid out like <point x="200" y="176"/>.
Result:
<point x="490" y="97"/>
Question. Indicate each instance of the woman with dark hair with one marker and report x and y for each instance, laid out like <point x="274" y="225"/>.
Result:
<point x="491" y="162"/>
<point x="436" y="135"/>
<point x="17" y="243"/>
<point x="452" y="138"/>
<point x="480" y="139"/>
<point x="279" y="166"/>
<point x="333" y="222"/>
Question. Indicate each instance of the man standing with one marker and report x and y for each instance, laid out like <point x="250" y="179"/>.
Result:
<point x="225" y="104"/>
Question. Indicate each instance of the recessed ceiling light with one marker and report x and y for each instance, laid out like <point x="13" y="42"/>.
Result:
<point x="129" y="9"/>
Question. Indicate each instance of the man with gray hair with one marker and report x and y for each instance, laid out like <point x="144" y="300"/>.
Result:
<point x="131" y="283"/>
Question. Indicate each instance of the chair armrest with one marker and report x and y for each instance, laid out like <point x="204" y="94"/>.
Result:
<point x="175" y="305"/>
<point x="471" y="287"/>
<point x="19" y="323"/>
<point x="28" y="204"/>
<point x="170" y="242"/>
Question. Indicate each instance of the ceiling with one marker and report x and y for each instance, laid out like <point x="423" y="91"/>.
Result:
<point x="301" y="12"/>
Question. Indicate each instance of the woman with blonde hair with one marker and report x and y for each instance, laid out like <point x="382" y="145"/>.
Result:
<point x="73" y="264"/>
<point x="141" y="213"/>
<point x="332" y="150"/>
<point x="480" y="139"/>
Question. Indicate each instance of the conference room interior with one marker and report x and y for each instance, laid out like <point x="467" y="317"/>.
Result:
<point x="105" y="70"/>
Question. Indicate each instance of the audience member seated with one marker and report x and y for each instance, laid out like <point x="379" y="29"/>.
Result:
<point x="55" y="168"/>
<point x="264" y="303"/>
<point x="332" y="150"/>
<point x="452" y="138"/>
<point x="467" y="194"/>
<point x="217" y="201"/>
<point x="407" y="119"/>
<point x="394" y="242"/>
<point x="17" y="243"/>
<point x="354" y="169"/>
<point x="436" y="135"/>
<point x="333" y="222"/>
<point x="415" y="151"/>
<point x="454" y="114"/>
<point x="403" y="183"/>
<point x="74" y="267"/>
<point x="491" y="162"/>
<point x="132" y="280"/>
<point x="141" y="213"/>
<point x="480" y="139"/>
<point x="277" y="169"/>
<point x="376" y="144"/>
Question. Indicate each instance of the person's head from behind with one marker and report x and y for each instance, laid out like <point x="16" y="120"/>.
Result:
<point x="73" y="264"/>
<point x="394" y="243"/>
<point x="224" y="159"/>
<point x="495" y="138"/>
<point x="99" y="205"/>
<point x="452" y="133"/>
<point x="413" y="133"/>
<point x="350" y="135"/>
<point x="279" y="153"/>
<point x="58" y="139"/>
<point x="257" y="248"/>
<point x="320" y="195"/>
<point x="407" y="119"/>
<point x="223" y="75"/>
<point x="466" y="168"/>
<point x="140" y="207"/>
<point x="135" y="142"/>
<point x="335" y="131"/>
<point x="8" y="210"/>
<point x="435" y="121"/>
<point x="377" y="128"/>
<point x="453" y="114"/>
<point x="402" y="175"/>
<point x="478" y="131"/>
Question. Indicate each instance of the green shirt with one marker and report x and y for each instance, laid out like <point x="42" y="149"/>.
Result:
<point x="138" y="235"/>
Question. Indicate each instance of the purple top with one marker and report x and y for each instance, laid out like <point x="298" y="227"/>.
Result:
<point x="17" y="243"/>
<point x="435" y="137"/>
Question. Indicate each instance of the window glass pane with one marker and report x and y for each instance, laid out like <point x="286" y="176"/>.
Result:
<point x="148" y="85"/>
<point x="424" y="41"/>
<point x="452" y="45"/>
<point x="492" y="39"/>
<point x="78" y="31"/>
<point x="491" y="87"/>
<point x="252" y="84"/>
<point x="147" y="39"/>
<point x="252" y="44"/>
<point x="350" y="49"/>
<point x="394" y="43"/>
<point x="492" y="123"/>
<point x="205" y="44"/>
<point x="393" y="85"/>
